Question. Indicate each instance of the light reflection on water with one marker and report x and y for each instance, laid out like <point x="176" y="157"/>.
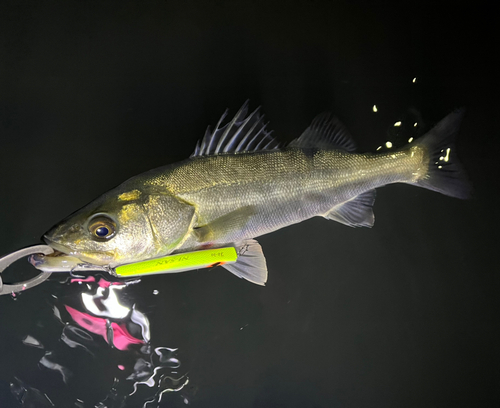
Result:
<point x="101" y="331"/>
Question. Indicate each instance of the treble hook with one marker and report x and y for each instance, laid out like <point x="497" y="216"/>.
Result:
<point x="7" y="260"/>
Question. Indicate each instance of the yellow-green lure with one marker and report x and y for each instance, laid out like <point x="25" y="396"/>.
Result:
<point x="187" y="261"/>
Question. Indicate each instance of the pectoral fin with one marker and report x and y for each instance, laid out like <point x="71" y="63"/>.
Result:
<point x="225" y="225"/>
<point x="251" y="263"/>
<point x="357" y="212"/>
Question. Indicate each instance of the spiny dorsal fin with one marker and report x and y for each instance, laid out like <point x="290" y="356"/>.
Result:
<point x="325" y="132"/>
<point x="242" y="134"/>
<point x="357" y="212"/>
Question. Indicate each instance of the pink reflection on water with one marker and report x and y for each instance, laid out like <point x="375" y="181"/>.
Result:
<point x="122" y="339"/>
<point x="144" y="375"/>
<point x="81" y="280"/>
<point x="103" y="283"/>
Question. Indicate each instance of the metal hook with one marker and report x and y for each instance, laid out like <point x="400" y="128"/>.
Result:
<point x="7" y="260"/>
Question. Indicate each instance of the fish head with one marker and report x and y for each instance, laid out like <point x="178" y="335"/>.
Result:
<point x="122" y="227"/>
<point x="108" y="231"/>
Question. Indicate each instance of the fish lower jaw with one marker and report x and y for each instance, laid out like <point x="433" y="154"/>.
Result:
<point x="61" y="251"/>
<point x="58" y="248"/>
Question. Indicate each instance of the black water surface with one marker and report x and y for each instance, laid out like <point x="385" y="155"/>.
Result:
<point x="403" y="314"/>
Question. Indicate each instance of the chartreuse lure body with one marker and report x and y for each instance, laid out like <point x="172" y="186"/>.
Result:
<point x="187" y="261"/>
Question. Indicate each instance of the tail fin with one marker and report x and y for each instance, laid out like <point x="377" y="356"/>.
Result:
<point x="445" y="173"/>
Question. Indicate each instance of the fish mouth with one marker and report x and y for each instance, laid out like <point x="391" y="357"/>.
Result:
<point x="39" y="260"/>
<point x="62" y="250"/>
<point x="63" y="259"/>
<point x="60" y="260"/>
<point x="58" y="248"/>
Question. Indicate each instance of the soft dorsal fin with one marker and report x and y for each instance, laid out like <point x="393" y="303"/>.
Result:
<point x="244" y="133"/>
<point x="357" y="212"/>
<point x="325" y="132"/>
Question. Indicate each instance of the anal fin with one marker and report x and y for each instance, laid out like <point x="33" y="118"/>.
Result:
<point x="357" y="212"/>
<point x="251" y="263"/>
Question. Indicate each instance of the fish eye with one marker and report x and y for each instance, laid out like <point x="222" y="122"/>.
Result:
<point x="102" y="227"/>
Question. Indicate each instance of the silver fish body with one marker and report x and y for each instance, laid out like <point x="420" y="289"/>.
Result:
<point x="239" y="185"/>
<point x="279" y="188"/>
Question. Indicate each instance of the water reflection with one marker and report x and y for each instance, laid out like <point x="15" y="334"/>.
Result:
<point x="101" y="332"/>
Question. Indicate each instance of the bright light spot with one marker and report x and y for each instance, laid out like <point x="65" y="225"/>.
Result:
<point x="375" y="108"/>
<point x="441" y="158"/>
<point x="397" y="123"/>
<point x="388" y="145"/>
<point x="380" y="147"/>
<point x="414" y="80"/>
<point x="447" y="157"/>
<point x="410" y="140"/>
<point x="393" y="156"/>
<point x="415" y="124"/>
<point x="112" y="307"/>
<point x="156" y="291"/>
<point x="440" y="167"/>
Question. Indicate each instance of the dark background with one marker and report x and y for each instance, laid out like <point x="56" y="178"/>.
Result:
<point x="404" y="314"/>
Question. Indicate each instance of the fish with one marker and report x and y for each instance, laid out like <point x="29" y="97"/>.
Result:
<point x="241" y="183"/>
